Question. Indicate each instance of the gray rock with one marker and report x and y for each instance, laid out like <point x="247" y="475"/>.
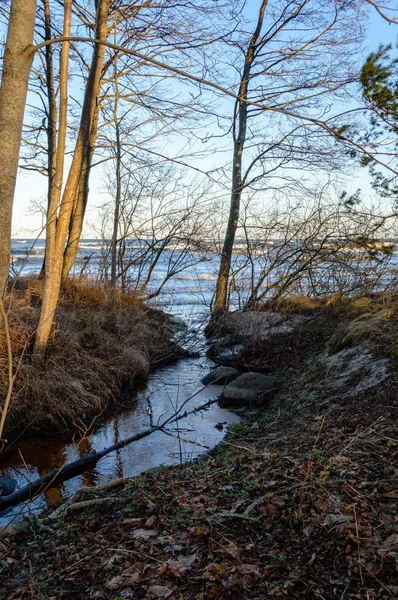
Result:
<point x="354" y="370"/>
<point x="220" y="376"/>
<point x="224" y="355"/>
<point x="247" y="390"/>
<point x="7" y="486"/>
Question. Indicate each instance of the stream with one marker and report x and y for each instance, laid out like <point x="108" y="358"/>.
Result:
<point x="167" y="388"/>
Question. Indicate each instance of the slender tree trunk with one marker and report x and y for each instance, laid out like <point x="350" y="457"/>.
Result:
<point x="52" y="111"/>
<point x="18" y="57"/>
<point x="81" y="198"/>
<point x="114" y="256"/>
<point x="240" y="128"/>
<point x="80" y="202"/>
<point x="116" y="216"/>
<point x="54" y="258"/>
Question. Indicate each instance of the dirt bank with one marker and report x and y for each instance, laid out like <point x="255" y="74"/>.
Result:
<point x="299" y="502"/>
<point x="95" y="359"/>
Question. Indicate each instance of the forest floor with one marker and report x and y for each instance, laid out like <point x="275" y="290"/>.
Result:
<point x="95" y="358"/>
<point x="300" y="501"/>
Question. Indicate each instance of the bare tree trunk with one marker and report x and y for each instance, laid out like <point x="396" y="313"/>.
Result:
<point x="54" y="258"/>
<point x="116" y="215"/>
<point x="80" y="202"/>
<point x="114" y="257"/>
<point x="81" y="198"/>
<point x="239" y="129"/>
<point x="18" y="57"/>
<point x="51" y="267"/>
<point x="52" y="111"/>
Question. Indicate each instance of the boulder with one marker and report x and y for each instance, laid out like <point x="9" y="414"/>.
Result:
<point x="248" y="389"/>
<point x="7" y="486"/>
<point x="220" y="376"/>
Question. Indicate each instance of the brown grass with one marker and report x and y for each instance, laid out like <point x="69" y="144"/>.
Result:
<point x="350" y="305"/>
<point x="94" y="360"/>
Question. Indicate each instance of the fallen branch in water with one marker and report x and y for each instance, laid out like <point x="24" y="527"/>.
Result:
<point x="91" y="458"/>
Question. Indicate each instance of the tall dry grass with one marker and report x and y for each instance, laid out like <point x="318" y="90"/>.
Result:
<point x="94" y="360"/>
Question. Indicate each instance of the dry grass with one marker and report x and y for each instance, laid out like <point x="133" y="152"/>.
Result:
<point x="94" y="360"/>
<point x="350" y="305"/>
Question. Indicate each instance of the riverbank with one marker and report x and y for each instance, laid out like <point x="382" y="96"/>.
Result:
<point x="95" y="359"/>
<point x="298" y="502"/>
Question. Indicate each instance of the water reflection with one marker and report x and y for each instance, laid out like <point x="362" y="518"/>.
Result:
<point x="167" y="389"/>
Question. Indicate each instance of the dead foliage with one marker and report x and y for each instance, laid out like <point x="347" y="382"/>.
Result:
<point x="95" y="358"/>
<point x="299" y="503"/>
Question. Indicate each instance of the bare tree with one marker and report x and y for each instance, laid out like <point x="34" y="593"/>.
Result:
<point x="162" y="221"/>
<point x="312" y="247"/>
<point x="294" y="66"/>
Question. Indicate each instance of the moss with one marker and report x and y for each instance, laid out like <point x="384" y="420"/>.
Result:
<point x="336" y="345"/>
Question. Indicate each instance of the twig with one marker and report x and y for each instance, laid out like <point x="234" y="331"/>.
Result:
<point x="344" y="591"/>
<point x="359" y="546"/>
<point x="150" y="411"/>
<point x="11" y="376"/>
<point x="72" y="508"/>
<point x="253" y="505"/>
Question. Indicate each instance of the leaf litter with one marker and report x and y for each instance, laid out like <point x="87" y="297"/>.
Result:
<point x="296" y="503"/>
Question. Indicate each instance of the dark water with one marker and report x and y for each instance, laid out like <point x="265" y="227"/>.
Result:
<point x="167" y="389"/>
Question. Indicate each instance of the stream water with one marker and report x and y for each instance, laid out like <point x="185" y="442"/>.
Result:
<point x="167" y="389"/>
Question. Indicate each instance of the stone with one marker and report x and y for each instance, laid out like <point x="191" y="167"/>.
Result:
<point x="354" y="370"/>
<point x="7" y="486"/>
<point x="220" y="376"/>
<point x="261" y="326"/>
<point x="224" y="355"/>
<point x="248" y="389"/>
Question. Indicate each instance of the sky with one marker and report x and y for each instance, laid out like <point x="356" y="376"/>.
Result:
<point x="32" y="187"/>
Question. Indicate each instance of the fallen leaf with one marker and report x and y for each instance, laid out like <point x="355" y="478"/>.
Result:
<point x="114" y="583"/>
<point x="144" y="534"/>
<point x="181" y="565"/>
<point x="150" y="522"/>
<point x="336" y="520"/>
<point x="159" y="591"/>
<point x="130" y="522"/>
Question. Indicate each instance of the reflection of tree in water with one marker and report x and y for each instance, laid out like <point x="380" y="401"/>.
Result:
<point x="48" y="460"/>
<point x="119" y="469"/>
<point x="89" y="477"/>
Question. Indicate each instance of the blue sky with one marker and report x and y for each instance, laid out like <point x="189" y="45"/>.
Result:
<point x="31" y="187"/>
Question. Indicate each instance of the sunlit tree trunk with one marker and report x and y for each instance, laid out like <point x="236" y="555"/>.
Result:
<point x="114" y="243"/>
<point x="54" y="258"/>
<point x="17" y="63"/>
<point x="80" y="200"/>
<point x="51" y="266"/>
<point x="239" y="129"/>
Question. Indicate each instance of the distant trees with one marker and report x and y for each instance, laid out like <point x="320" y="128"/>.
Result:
<point x="17" y="62"/>
<point x="159" y="221"/>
